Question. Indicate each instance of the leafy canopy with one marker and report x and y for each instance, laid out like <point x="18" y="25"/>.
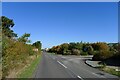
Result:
<point x="7" y="24"/>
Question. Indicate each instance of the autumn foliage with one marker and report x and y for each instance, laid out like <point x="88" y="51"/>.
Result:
<point x="15" y="50"/>
<point x="99" y="50"/>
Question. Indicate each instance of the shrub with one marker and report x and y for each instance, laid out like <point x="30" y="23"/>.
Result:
<point x="91" y="52"/>
<point x="67" y="52"/>
<point x="14" y="54"/>
<point x="100" y="46"/>
<point x="75" y="52"/>
<point x="83" y="53"/>
<point x="102" y="55"/>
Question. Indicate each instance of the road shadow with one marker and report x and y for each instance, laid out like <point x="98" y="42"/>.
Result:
<point x="113" y="61"/>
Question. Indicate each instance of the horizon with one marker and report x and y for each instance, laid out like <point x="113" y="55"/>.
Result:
<point x="56" y="23"/>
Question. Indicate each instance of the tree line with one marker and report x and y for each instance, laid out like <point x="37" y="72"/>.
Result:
<point x="15" y="50"/>
<point x="99" y="50"/>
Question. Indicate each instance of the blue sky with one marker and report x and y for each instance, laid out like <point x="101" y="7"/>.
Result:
<point x="56" y="23"/>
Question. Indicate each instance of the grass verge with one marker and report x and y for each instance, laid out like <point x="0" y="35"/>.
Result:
<point x="110" y="71"/>
<point x="29" y="70"/>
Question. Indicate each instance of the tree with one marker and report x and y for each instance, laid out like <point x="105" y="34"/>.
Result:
<point x="90" y="50"/>
<point x="100" y="46"/>
<point x="72" y="46"/>
<point x="64" y="48"/>
<point x="7" y="24"/>
<point x="75" y="52"/>
<point x="102" y="55"/>
<point x="24" y="38"/>
<point x="103" y="51"/>
<point x="115" y="46"/>
<point x="38" y="45"/>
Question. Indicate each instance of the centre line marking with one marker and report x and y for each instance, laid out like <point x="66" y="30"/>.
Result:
<point x="61" y="64"/>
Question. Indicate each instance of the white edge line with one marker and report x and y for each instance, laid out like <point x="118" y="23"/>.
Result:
<point x="98" y="75"/>
<point x="79" y="77"/>
<point x="61" y="64"/>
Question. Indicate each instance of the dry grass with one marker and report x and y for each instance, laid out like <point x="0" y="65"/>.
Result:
<point x="15" y="72"/>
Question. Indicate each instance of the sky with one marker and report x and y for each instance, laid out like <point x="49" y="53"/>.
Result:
<point x="54" y="23"/>
<point x="60" y="0"/>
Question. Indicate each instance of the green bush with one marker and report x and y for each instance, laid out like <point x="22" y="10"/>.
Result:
<point x="102" y="55"/>
<point x="67" y="52"/>
<point x="83" y="53"/>
<point x="75" y="52"/>
<point x="15" y="51"/>
<point x="90" y="52"/>
<point x="14" y="54"/>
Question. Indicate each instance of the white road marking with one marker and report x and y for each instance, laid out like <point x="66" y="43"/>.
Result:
<point x="98" y="75"/>
<point x="61" y="64"/>
<point x="69" y="69"/>
<point x="80" y="78"/>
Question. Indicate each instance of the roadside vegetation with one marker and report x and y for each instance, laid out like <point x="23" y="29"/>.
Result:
<point x="109" y="70"/>
<point x="100" y="50"/>
<point x="107" y="53"/>
<point x="30" y="69"/>
<point x="17" y="52"/>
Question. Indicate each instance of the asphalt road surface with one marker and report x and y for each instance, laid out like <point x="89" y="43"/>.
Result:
<point x="58" y="66"/>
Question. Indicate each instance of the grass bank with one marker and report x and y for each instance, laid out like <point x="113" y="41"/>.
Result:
<point x="109" y="70"/>
<point x="29" y="70"/>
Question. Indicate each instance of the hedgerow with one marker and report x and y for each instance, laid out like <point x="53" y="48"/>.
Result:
<point x="15" y="50"/>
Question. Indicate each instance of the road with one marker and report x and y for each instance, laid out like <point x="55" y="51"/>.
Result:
<point x="58" y="66"/>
